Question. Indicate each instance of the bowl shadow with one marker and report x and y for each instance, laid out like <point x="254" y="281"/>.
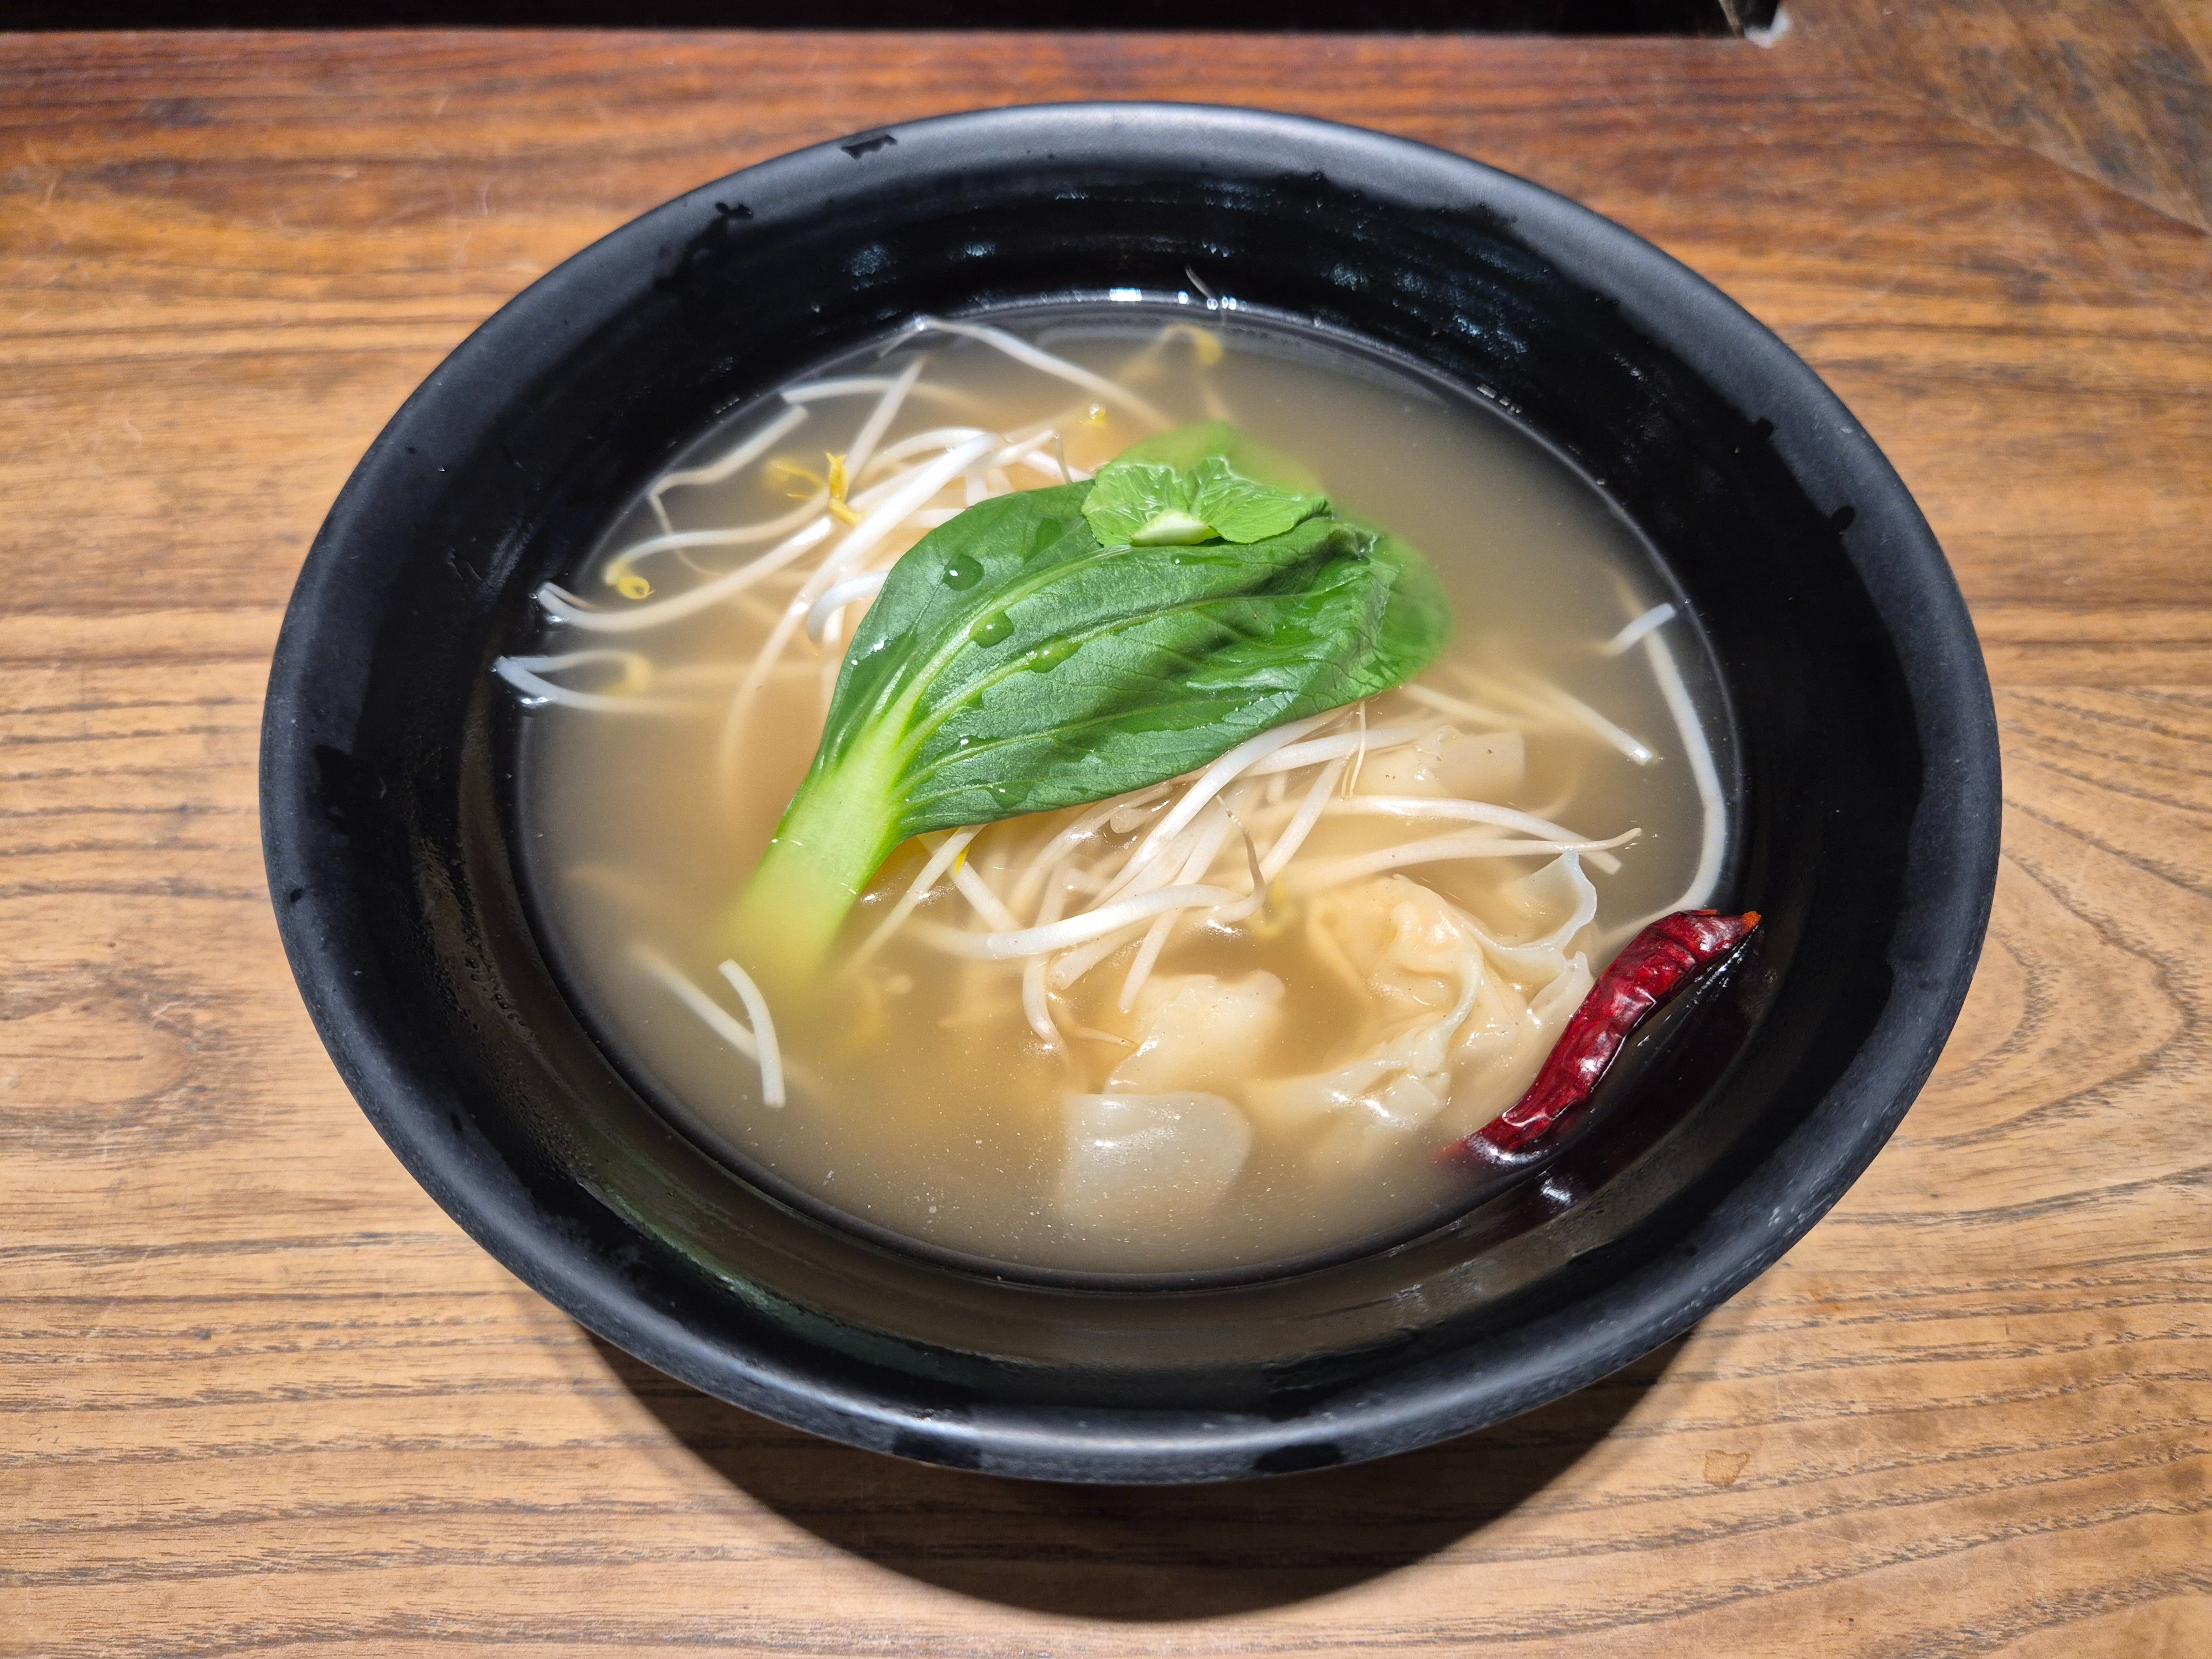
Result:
<point x="1141" y="1555"/>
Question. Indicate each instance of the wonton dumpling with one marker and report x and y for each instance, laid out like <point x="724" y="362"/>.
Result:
<point x="1418" y="955"/>
<point x="1135" y="1160"/>
<point x="1503" y="1045"/>
<point x="1201" y="1031"/>
<point x="1550" y="905"/>
<point x="1466" y="1020"/>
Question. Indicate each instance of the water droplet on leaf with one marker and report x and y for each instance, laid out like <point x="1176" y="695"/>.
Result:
<point x="994" y="630"/>
<point x="962" y="570"/>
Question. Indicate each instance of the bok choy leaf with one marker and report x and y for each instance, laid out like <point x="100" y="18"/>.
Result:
<point x="1197" y="483"/>
<point x="1029" y="654"/>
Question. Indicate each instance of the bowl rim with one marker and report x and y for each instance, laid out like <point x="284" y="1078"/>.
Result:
<point x="1779" y="1199"/>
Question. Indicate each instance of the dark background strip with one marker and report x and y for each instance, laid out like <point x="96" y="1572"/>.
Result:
<point x="1580" y="17"/>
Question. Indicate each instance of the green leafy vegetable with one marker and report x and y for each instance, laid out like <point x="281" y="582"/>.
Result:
<point x="1019" y="660"/>
<point x="1198" y="483"/>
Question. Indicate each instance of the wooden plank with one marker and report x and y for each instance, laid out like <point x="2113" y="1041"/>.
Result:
<point x="2118" y="91"/>
<point x="262" y="1395"/>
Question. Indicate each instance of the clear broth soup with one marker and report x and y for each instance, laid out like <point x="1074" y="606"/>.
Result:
<point x="1445" y="865"/>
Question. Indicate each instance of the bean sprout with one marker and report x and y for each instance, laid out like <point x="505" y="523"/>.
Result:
<point x="1036" y="1001"/>
<point x="1298" y="755"/>
<point x="527" y="676"/>
<point x="564" y="606"/>
<point x="1217" y="777"/>
<point x="1460" y="707"/>
<point x="977" y="892"/>
<point x="1023" y="352"/>
<point x="742" y="535"/>
<point x="750" y="450"/>
<point x="1712" y="844"/>
<point x="855" y="385"/>
<point x="1444" y="849"/>
<point x="880" y="417"/>
<point x="771" y="1057"/>
<point x="866" y="585"/>
<point x="1006" y="946"/>
<point x="1156" y="937"/>
<point x="1303" y="821"/>
<point x="940" y="861"/>
<point x="1473" y="812"/>
<point x="758" y="1045"/>
<point x="1657" y="617"/>
<point x="935" y="441"/>
<point x="1032" y="881"/>
<point x="1583" y="715"/>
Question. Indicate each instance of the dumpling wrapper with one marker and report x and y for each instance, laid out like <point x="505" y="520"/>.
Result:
<point x="1134" y="1161"/>
<point x="1469" y="1018"/>
<point x="1201" y="1032"/>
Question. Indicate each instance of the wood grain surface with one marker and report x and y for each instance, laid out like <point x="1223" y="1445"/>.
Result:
<point x="258" y="1395"/>
<point x="2115" y="89"/>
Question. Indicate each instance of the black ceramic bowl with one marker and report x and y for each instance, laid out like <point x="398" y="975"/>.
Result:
<point x="1863" y="744"/>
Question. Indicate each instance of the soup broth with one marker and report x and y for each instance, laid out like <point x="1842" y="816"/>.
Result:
<point x="1256" y="1080"/>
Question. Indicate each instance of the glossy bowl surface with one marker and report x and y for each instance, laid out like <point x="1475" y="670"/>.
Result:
<point x="1862" y="738"/>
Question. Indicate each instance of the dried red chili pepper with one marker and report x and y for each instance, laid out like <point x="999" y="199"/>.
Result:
<point x="1649" y="970"/>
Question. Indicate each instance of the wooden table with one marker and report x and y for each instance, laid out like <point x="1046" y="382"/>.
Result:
<point x="261" y="1395"/>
